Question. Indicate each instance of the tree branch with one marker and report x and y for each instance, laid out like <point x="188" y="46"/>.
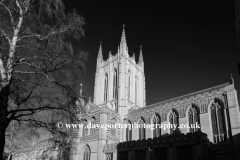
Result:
<point x="39" y="109"/>
<point x="35" y="83"/>
<point x="39" y="123"/>
<point x="10" y="14"/>
<point x="2" y="70"/>
<point x="26" y="98"/>
<point x="13" y="43"/>
<point x="42" y="37"/>
<point x="6" y="36"/>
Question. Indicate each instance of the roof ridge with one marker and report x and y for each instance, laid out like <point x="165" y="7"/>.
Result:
<point x="181" y="97"/>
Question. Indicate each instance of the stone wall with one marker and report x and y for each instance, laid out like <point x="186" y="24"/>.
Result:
<point x="178" y="147"/>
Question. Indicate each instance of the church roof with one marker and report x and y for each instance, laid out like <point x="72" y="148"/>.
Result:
<point x="188" y="97"/>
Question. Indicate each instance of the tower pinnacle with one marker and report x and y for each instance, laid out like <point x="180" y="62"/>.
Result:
<point x="110" y="54"/>
<point x="123" y="39"/>
<point x="100" y="50"/>
<point x="232" y="80"/>
<point x="140" y="56"/>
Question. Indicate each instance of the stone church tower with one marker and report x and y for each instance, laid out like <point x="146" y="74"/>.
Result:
<point x="120" y="80"/>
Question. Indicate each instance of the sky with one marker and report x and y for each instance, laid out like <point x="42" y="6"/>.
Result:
<point x="187" y="45"/>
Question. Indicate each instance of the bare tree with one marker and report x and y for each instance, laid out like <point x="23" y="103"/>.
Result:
<point x="37" y="63"/>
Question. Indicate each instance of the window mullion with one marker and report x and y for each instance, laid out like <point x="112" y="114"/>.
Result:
<point x="217" y="123"/>
<point x="193" y="120"/>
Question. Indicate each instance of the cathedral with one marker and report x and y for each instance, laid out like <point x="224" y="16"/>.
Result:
<point x="120" y="98"/>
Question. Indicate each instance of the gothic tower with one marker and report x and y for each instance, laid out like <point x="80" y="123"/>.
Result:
<point x="120" y="80"/>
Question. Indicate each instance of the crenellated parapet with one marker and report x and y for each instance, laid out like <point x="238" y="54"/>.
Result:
<point x="110" y="147"/>
<point x="189" y="138"/>
<point x="177" y="147"/>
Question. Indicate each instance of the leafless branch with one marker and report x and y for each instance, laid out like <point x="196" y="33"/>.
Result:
<point x="38" y="83"/>
<point x="26" y="98"/>
<point x="10" y="13"/>
<point x="42" y="37"/>
<point x="6" y="35"/>
<point x="39" y="109"/>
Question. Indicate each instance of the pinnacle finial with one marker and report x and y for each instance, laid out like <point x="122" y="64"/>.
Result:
<point x="123" y="39"/>
<point x="232" y="80"/>
<point x="81" y="85"/>
<point x="140" y="56"/>
<point x="100" y="50"/>
<point x="110" y="54"/>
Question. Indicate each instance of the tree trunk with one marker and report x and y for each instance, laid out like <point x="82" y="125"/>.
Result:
<point x="2" y="139"/>
<point x="4" y="93"/>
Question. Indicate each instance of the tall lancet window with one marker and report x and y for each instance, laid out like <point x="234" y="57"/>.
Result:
<point x="93" y="125"/>
<point x="129" y="131"/>
<point x="136" y="89"/>
<point x="113" y="127"/>
<point x="85" y="128"/>
<point x="193" y="117"/>
<point x="115" y="84"/>
<point x="87" y="153"/>
<point x="173" y="119"/>
<point x="106" y="88"/>
<point x="129" y="85"/>
<point x="141" y="130"/>
<point x="218" y="125"/>
<point x="156" y="129"/>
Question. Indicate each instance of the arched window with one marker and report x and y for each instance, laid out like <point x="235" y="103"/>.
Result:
<point x="141" y="130"/>
<point x="193" y="118"/>
<point x="129" y="131"/>
<point x="129" y="85"/>
<point x="218" y="122"/>
<point x="164" y="116"/>
<point x="173" y="119"/>
<point x="85" y="129"/>
<point x="87" y="153"/>
<point x="109" y="156"/>
<point x="115" y="84"/>
<point x="93" y="125"/>
<point x="113" y="127"/>
<point x="157" y="128"/>
<point x="106" y="88"/>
